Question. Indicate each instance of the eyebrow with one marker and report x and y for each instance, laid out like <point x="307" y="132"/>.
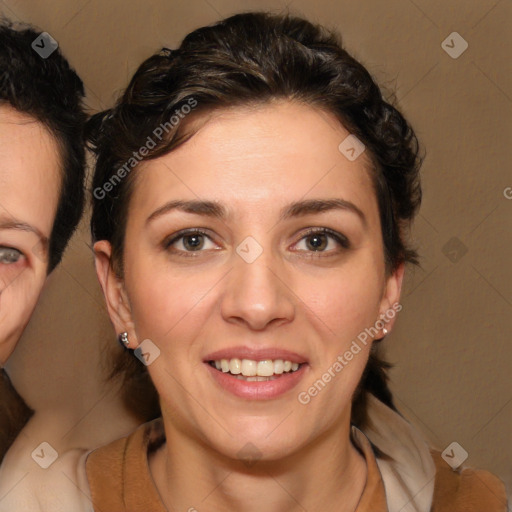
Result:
<point x="295" y="209"/>
<point x="18" y="225"/>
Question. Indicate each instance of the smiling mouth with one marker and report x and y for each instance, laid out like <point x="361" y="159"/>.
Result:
<point x="255" y="371"/>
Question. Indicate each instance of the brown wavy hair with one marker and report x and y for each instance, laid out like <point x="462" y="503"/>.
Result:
<point x="253" y="59"/>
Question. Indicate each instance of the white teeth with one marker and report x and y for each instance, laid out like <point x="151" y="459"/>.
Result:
<point x="253" y="379"/>
<point x="278" y="366"/>
<point x="265" y="368"/>
<point x="235" y="366"/>
<point x="253" y="370"/>
<point x="249" y="368"/>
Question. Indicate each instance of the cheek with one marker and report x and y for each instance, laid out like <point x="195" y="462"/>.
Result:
<point x="338" y="314"/>
<point x="13" y="277"/>
<point x="17" y="302"/>
<point x="165" y="304"/>
<point x="343" y="303"/>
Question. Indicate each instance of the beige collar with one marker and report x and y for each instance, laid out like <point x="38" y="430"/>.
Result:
<point x="410" y="476"/>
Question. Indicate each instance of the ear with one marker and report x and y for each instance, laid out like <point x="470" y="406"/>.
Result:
<point x="118" y="305"/>
<point x="390" y="302"/>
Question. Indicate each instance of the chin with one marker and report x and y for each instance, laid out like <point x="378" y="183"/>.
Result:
<point x="258" y="444"/>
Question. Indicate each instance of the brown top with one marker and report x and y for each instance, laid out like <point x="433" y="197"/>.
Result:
<point x="120" y="480"/>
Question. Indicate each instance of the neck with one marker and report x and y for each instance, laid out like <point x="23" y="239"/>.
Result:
<point x="328" y="475"/>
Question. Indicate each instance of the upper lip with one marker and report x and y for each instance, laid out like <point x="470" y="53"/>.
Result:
<point x="255" y="354"/>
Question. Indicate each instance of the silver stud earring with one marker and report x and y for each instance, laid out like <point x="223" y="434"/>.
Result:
<point x="123" y="339"/>
<point x="385" y="331"/>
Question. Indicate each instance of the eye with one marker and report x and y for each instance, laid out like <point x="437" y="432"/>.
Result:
<point x="317" y="240"/>
<point x="9" y="255"/>
<point x="189" y="241"/>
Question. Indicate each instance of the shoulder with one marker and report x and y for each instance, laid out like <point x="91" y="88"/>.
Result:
<point x="108" y="467"/>
<point x="60" y="487"/>
<point x="118" y="473"/>
<point x="466" y="489"/>
<point x="114" y="454"/>
<point x="146" y="437"/>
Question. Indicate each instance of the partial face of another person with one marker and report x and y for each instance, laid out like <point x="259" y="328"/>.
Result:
<point x="259" y="272"/>
<point x="29" y="187"/>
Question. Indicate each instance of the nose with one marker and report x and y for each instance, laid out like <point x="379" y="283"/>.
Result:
<point x="257" y="294"/>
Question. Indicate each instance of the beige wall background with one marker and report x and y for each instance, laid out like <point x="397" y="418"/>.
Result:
<point x="452" y="347"/>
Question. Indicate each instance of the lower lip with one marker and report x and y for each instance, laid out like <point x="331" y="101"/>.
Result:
<point x="254" y="390"/>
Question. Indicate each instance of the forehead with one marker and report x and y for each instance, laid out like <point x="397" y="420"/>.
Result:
<point x="246" y="155"/>
<point x="30" y="173"/>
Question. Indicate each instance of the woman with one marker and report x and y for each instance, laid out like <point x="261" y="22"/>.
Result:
<point x="42" y="168"/>
<point x="252" y="197"/>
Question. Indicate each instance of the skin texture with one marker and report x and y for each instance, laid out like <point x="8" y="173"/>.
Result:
<point x="29" y="186"/>
<point x="255" y="162"/>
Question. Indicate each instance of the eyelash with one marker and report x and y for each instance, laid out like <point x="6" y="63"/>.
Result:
<point x="338" y="237"/>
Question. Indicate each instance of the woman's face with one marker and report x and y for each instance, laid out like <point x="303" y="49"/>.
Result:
<point x="29" y="187"/>
<point x="255" y="283"/>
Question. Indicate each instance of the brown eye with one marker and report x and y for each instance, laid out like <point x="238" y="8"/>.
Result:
<point x="320" y="240"/>
<point x="193" y="242"/>
<point x="317" y="242"/>
<point x="189" y="242"/>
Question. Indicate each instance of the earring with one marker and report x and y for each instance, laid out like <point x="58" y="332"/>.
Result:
<point x="123" y="339"/>
<point x="385" y="331"/>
